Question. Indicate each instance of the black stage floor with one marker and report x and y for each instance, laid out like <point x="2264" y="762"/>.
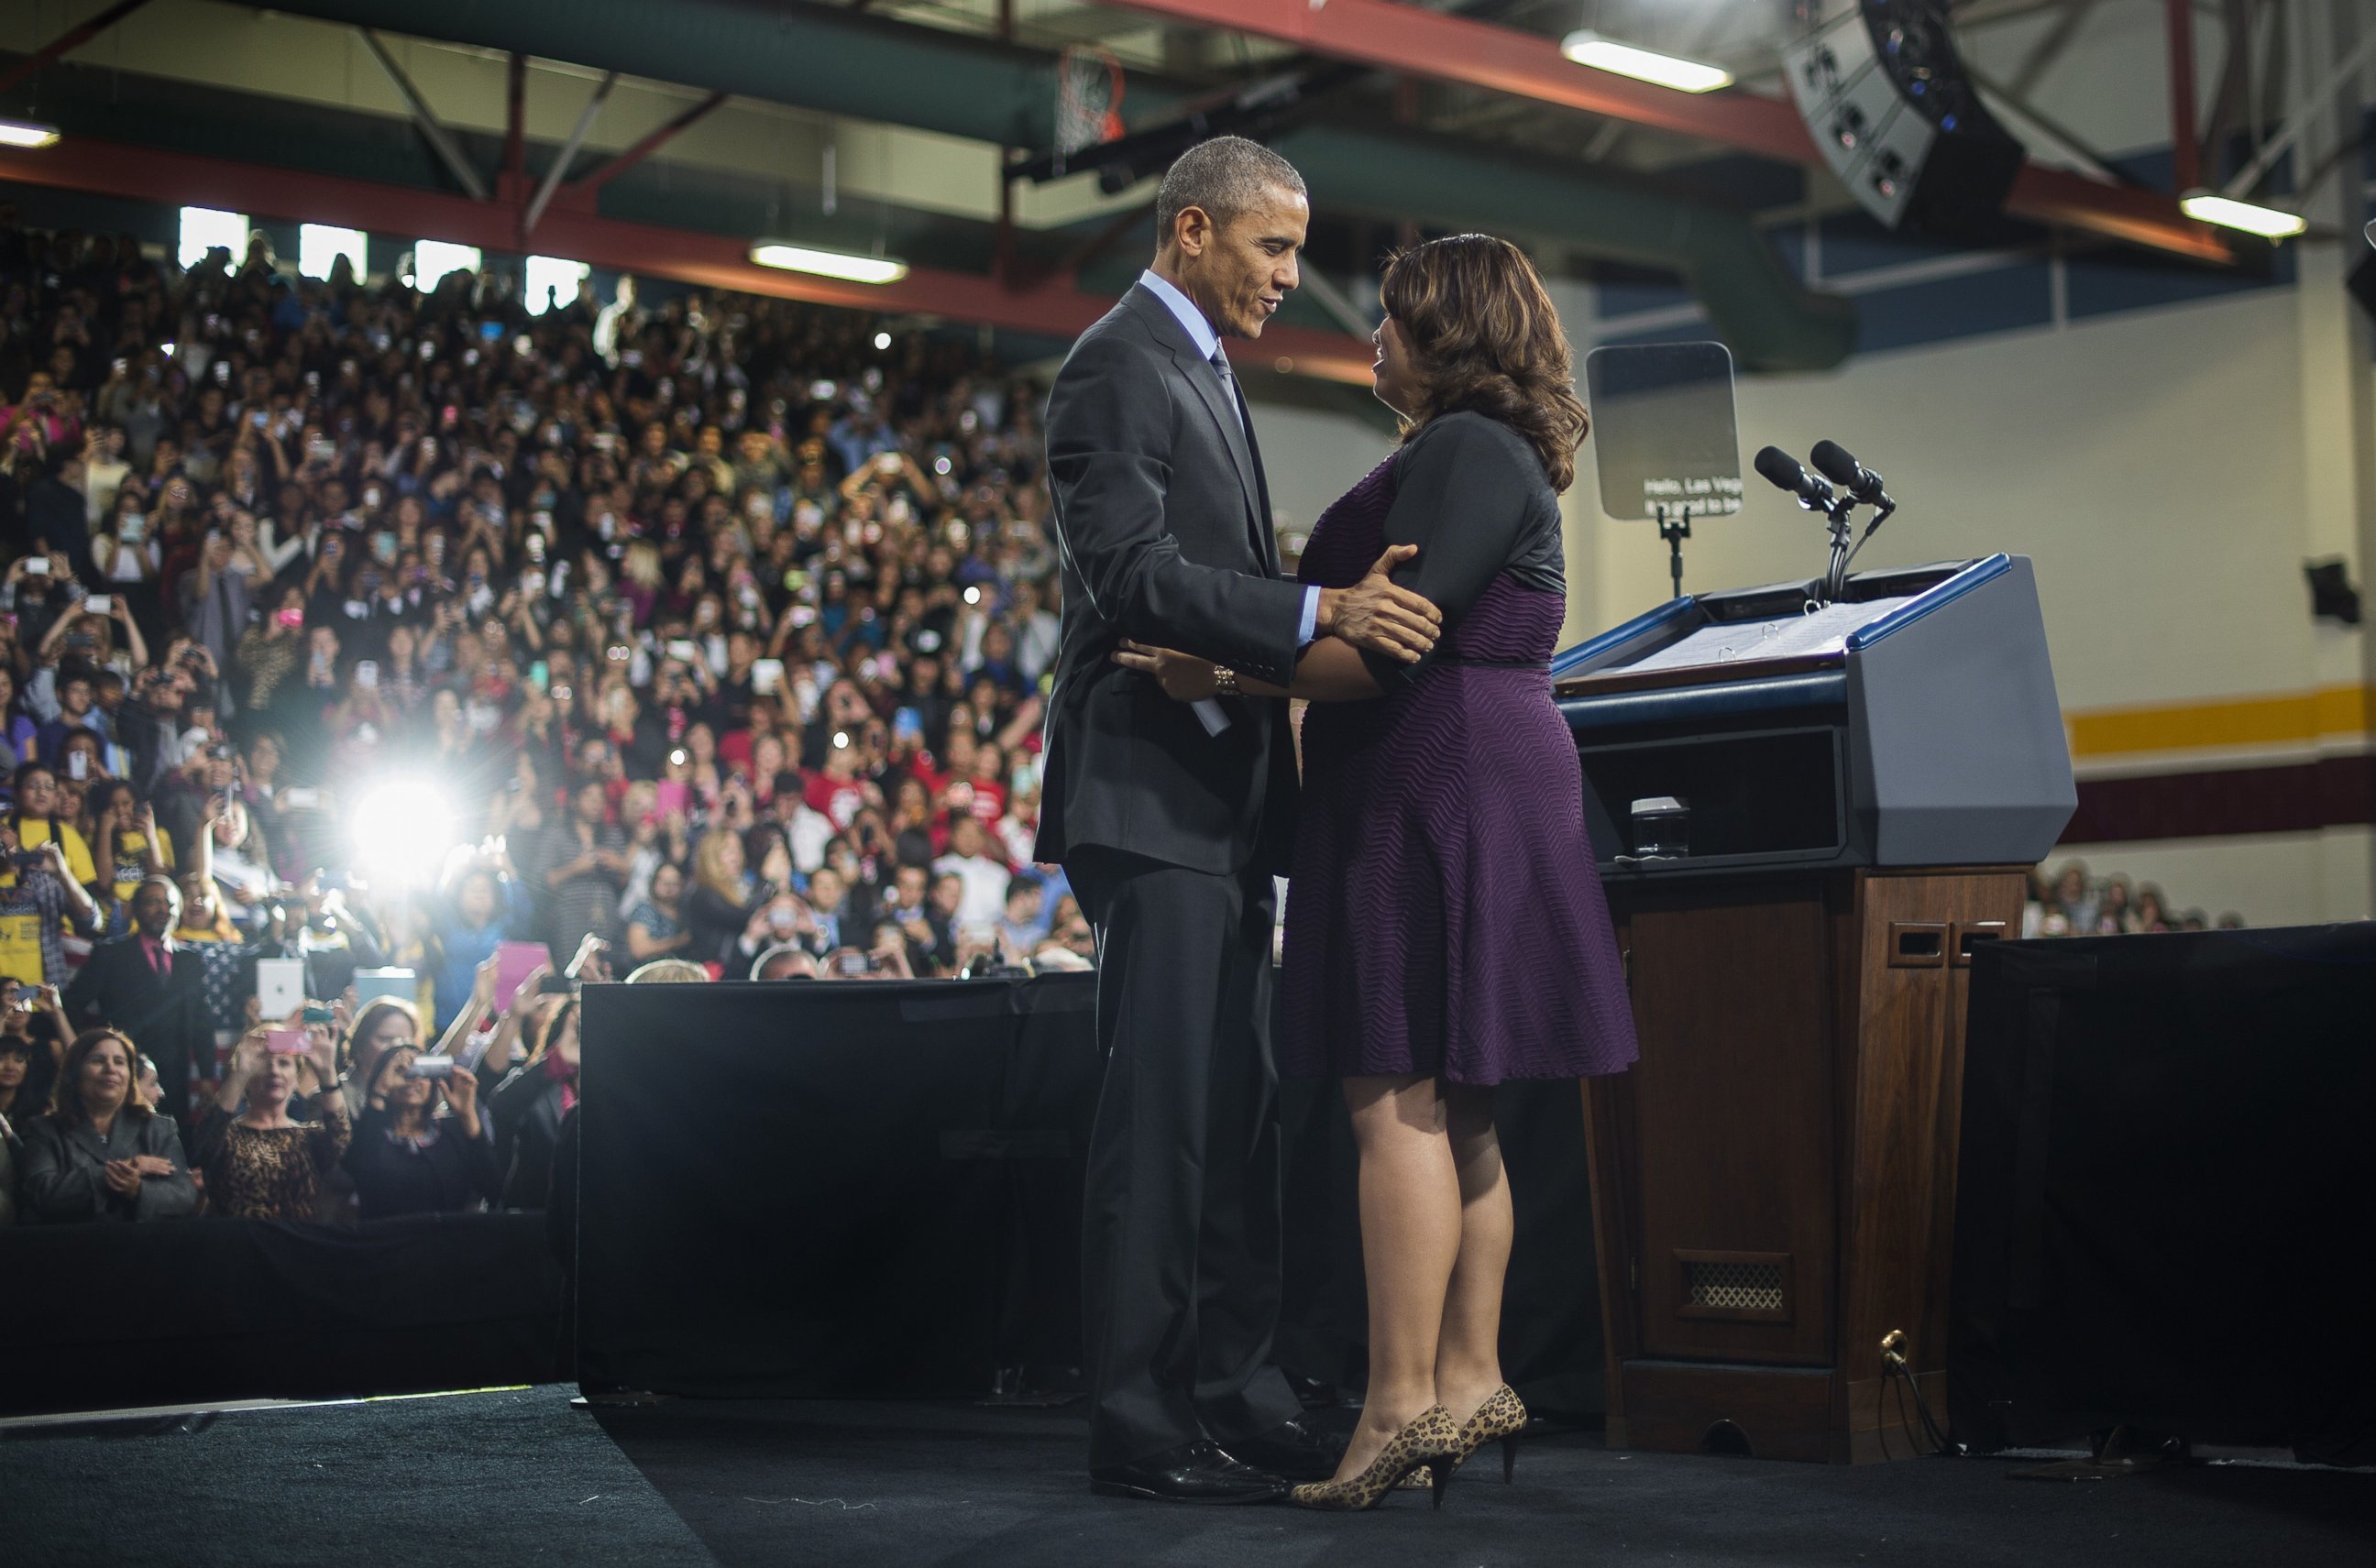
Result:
<point x="497" y="1479"/>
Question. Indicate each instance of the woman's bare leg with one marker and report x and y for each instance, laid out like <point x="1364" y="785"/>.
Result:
<point x="1468" y="1352"/>
<point x="1411" y="1234"/>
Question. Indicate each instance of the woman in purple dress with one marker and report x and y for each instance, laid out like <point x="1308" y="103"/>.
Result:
<point x="1445" y="925"/>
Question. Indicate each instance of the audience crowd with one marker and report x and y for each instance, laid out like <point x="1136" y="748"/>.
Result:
<point x="2071" y="902"/>
<point x="385" y="631"/>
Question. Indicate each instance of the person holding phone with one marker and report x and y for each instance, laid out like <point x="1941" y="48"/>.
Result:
<point x="33" y="1031"/>
<point x="260" y="1163"/>
<point x="76" y="689"/>
<point x="527" y="1108"/>
<point x="39" y="900"/>
<point x="126" y="845"/>
<point x="422" y="1144"/>
<point x="36" y="818"/>
<point x="126" y="553"/>
<point x="231" y="849"/>
<point x="269" y="651"/>
<point x="728" y="904"/>
<point x="482" y="906"/>
<point x="102" y="1155"/>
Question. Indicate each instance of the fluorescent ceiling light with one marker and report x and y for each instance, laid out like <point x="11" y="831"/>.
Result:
<point x="26" y="133"/>
<point x="2209" y="207"/>
<point x="830" y="263"/>
<point x="1586" y="47"/>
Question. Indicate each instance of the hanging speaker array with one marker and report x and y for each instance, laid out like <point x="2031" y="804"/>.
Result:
<point x="1895" y="116"/>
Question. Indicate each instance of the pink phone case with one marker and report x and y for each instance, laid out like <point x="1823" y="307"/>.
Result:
<point x="513" y="962"/>
<point x="671" y="795"/>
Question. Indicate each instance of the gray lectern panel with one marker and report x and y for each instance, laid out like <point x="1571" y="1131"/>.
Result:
<point x="1956" y="737"/>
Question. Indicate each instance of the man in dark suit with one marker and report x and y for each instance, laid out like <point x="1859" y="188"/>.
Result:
<point x="152" y="989"/>
<point x="1170" y="820"/>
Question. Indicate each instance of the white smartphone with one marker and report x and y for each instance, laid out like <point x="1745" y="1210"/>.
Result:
<point x="280" y="987"/>
<point x="766" y="677"/>
<point x="99" y="604"/>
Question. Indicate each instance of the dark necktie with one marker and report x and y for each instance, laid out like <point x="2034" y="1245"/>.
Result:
<point x="1230" y="384"/>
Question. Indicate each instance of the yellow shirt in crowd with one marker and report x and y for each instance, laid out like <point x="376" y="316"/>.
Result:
<point x="32" y="832"/>
<point x="129" y="872"/>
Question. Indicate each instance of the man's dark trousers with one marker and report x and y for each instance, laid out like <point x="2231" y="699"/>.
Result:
<point x="1181" y="1240"/>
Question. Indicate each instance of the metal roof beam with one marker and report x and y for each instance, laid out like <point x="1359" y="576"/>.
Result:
<point x="1405" y="38"/>
<point x="72" y="39"/>
<point x="438" y="137"/>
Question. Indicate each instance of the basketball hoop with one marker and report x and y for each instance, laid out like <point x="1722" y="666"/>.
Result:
<point x="1088" y="100"/>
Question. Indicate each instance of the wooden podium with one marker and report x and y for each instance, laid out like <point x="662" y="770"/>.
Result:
<point x="1773" y="1181"/>
<point x="1774" y="1184"/>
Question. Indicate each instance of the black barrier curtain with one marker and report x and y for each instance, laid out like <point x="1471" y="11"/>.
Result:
<point x="792" y="1189"/>
<point x="864" y="1190"/>
<point x="2164" y="1211"/>
<point x="121" y="1316"/>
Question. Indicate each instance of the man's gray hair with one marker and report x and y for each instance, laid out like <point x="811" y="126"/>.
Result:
<point x="1224" y="177"/>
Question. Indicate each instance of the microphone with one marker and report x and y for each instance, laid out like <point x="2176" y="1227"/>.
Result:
<point x="1832" y="459"/>
<point x="1783" y="470"/>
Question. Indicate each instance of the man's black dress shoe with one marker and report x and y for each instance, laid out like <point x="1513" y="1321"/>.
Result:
<point x="1193" y="1472"/>
<point x="1299" y="1449"/>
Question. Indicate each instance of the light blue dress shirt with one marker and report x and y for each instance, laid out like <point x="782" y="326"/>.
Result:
<point x="1208" y="343"/>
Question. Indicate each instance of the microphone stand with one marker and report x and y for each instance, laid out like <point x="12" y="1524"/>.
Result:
<point x="1836" y="574"/>
<point x="1674" y="531"/>
<point x="1883" y="509"/>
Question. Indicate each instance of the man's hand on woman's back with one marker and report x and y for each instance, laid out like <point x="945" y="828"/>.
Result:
<point x="1374" y="614"/>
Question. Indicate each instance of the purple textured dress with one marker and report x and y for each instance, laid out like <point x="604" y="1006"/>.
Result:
<point x="1446" y="915"/>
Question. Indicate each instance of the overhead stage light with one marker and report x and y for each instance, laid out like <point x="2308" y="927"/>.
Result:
<point x="830" y="263"/>
<point x="2210" y="206"/>
<point x="27" y="133"/>
<point x="402" y="830"/>
<point x="1586" y="47"/>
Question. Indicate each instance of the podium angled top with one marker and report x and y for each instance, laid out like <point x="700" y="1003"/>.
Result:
<point x="1933" y="681"/>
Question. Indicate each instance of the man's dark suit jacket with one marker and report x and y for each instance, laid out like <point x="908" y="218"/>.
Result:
<point x="167" y="1019"/>
<point x="1163" y="521"/>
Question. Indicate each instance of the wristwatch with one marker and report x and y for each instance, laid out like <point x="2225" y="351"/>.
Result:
<point x="1224" y="681"/>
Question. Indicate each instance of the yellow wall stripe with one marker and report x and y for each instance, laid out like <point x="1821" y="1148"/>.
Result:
<point x="2291" y="718"/>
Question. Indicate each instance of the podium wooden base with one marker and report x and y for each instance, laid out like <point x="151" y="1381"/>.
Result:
<point x="1773" y="1183"/>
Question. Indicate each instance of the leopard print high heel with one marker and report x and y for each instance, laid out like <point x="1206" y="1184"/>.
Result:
<point x="1431" y="1442"/>
<point x="1502" y="1418"/>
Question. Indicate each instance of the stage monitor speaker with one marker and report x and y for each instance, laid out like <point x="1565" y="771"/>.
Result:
<point x="1894" y="116"/>
<point x="2162" y="1208"/>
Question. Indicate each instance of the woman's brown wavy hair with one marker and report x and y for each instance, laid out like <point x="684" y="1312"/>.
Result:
<point x="1484" y="337"/>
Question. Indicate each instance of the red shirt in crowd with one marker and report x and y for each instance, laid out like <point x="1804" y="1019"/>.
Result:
<point x="837" y="799"/>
